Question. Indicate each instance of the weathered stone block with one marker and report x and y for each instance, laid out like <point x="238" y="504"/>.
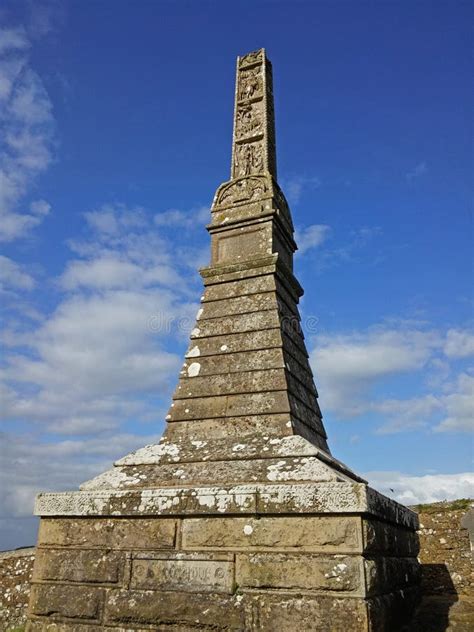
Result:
<point x="387" y="574"/>
<point x="235" y="342"/>
<point x="270" y="612"/>
<point x="184" y="572"/>
<point x="239" y="323"/>
<point x="189" y="450"/>
<point x="392" y="611"/>
<point x="114" y="533"/>
<point x="98" y="566"/>
<point x="233" y="245"/>
<point x="311" y="533"/>
<point x="253" y="360"/>
<point x="231" y="383"/>
<point x="242" y="427"/>
<point x="389" y="539"/>
<point x="245" y="287"/>
<point x="131" y="607"/>
<point x="312" y="499"/>
<point x="337" y="573"/>
<point x="239" y="305"/>
<point x="227" y="472"/>
<point x="73" y="602"/>
<point x="229" y="406"/>
<point x="40" y="625"/>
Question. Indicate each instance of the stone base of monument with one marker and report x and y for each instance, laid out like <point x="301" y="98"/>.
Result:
<point x="328" y="555"/>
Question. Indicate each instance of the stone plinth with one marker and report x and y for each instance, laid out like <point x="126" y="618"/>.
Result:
<point x="314" y="556"/>
<point x="240" y="518"/>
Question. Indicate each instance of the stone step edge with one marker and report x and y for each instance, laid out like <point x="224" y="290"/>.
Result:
<point x="259" y="266"/>
<point x="292" y="446"/>
<point x="255" y="499"/>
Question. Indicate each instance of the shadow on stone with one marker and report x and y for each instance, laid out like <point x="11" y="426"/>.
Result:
<point x="439" y="595"/>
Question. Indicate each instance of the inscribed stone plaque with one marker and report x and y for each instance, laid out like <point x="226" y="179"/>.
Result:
<point x="188" y="575"/>
<point x="236" y="245"/>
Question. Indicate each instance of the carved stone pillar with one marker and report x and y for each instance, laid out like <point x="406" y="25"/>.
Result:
<point x="239" y="518"/>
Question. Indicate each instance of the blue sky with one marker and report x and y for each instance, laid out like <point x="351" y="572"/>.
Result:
<point x="115" y="131"/>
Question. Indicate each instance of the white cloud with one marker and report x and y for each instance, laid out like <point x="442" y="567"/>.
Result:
<point x="295" y="186"/>
<point x="101" y="356"/>
<point x="183" y="219"/>
<point x="412" y="490"/>
<point x="13" y="39"/>
<point x="115" y="219"/>
<point x="26" y="136"/>
<point x="459" y="407"/>
<point x="12" y="276"/>
<point x="459" y="343"/>
<point x="351" y="250"/>
<point x="28" y="466"/>
<point x="348" y="366"/>
<point x="406" y="414"/>
<point x="311" y="237"/>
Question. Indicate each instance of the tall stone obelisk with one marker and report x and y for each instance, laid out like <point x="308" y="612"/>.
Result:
<point x="240" y="518"/>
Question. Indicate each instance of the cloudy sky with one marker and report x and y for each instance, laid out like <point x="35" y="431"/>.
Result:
<point x="115" y="129"/>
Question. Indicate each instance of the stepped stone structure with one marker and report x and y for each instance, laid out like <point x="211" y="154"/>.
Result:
<point x="239" y="518"/>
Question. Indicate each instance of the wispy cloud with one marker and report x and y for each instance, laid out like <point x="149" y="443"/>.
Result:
<point x="27" y="131"/>
<point x="13" y="276"/>
<point x="350" y="366"/>
<point x="459" y="343"/>
<point x="459" y="406"/>
<point x="329" y="255"/>
<point x="185" y="220"/>
<point x="102" y="351"/>
<point x="311" y="237"/>
<point x="296" y="185"/>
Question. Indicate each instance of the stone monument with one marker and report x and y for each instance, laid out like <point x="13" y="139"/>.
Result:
<point x="239" y="518"/>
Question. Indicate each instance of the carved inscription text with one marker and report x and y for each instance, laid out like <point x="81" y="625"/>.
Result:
<point x="187" y="575"/>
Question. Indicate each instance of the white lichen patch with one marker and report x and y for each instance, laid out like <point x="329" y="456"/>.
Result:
<point x="193" y="369"/>
<point x="248" y="529"/>
<point x="224" y="348"/>
<point x="111" y="479"/>
<point x="198" y="444"/>
<point x="152" y="454"/>
<point x="199" y="313"/>
<point x="336" y="572"/>
<point x="238" y="447"/>
<point x="194" y="352"/>
<point x="294" y="445"/>
<point x="195" y="332"/>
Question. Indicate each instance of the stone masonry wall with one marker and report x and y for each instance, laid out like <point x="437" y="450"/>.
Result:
<point x="447" y="569"/>
<point x="220" y="573"/>
<point x="448" y="603"/>
<point x="16" y="568"/>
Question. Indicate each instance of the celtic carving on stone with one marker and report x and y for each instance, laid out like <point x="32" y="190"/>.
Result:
<point x="248" y="159"/>
<point x="254" y="57"/>
<point x="249" y="120"/>
<point x="250" y="84"/>
<point x="244" y="190"/>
